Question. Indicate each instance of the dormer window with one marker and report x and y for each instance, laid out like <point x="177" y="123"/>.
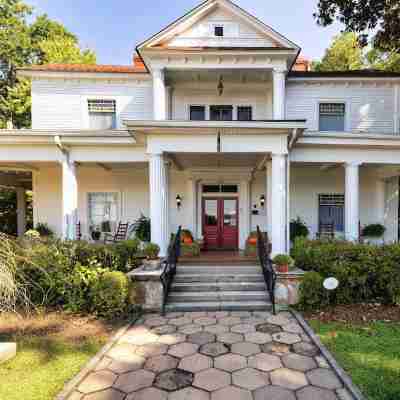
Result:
<point x="219" y="30"/>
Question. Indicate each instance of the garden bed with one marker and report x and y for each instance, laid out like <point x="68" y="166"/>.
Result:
<point x="52" y="348"/>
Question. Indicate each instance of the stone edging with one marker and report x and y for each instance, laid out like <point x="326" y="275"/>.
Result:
<point x="344" y="377"/>
<point x="70" y="386"/>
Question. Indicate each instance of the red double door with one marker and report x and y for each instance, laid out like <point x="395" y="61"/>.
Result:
<point x="220" y="223"/>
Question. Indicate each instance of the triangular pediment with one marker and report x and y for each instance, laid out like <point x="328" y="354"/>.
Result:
<point x="197" y="29"/>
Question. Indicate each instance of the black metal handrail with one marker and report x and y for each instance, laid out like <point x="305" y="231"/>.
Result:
<point x="169" y="265"/>
<point x="266" y="265"/>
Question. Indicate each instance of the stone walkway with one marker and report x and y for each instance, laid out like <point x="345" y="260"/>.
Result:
<point x="213" y="356"/>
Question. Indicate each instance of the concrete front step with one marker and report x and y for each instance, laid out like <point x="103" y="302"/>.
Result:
<point x="193" y="278"/>
<point x="220" y="306"/>
<point x="238" y="296"/>
<point x="218" y="286"/>
<point x="217" y="269"/>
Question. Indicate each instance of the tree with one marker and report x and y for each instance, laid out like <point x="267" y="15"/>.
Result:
<point x="377" y="19"/>
<point x="344" y="54"/>
<point x="43" y="41"/>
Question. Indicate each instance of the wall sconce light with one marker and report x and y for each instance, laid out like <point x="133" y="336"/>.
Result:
<point x="262" y="201"/>
<point x="178" y="201"/>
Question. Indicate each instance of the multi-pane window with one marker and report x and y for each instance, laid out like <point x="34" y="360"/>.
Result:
<point x="197" y="113"/>
<point x="221" y="113"/>
<point x="332" y="117"/>
<point x="103" y="211"/>
<point x="218" y="30"/>
<point x="220" y="189"/>
<point x="102" y="114"/>
<point x="331" y="210"/>
<point x="244" y="113"/>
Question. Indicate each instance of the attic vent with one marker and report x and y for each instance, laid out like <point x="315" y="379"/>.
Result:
<point x="101" y="106"/>
<point x="219" y="30"/>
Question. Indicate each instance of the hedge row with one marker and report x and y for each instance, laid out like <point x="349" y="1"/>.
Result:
<point x="366" y="273"/>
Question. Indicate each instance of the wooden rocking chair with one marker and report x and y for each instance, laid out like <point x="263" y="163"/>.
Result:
<point x="78" y="231"/>
<point x="119" y="235"/>
<point x="326" y="231"/>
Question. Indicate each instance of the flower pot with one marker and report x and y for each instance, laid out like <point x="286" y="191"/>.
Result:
<point x="152" y="265"/>
<point x="96" y="235"/>
<point x="282" y="269"/>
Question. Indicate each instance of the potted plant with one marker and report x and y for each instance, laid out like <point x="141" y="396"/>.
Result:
<point x="283" y="263"/>
<point x="298" y="228"/>
<point x="142" y="228"/>
<point x="152" y="262"/>
<point x="373" y="233"/>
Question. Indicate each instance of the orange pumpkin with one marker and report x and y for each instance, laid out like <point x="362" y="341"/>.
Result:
<point x="252" y="241"/>
<point x="187" y="240"/>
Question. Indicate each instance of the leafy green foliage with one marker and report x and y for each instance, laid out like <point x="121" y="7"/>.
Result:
<point x="282" y="259"/>
<point x="366" y="273"/>
<point x="142" y="228"/>
<point x="298" y="228"/>
<point x="44" y="229"/>
<point x="312" y="294"/>
<point x="374" y="230"/>
<point x="151" y="251"/>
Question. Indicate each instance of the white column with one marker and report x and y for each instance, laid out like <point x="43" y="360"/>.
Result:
<point x="159" y="202"/>
<point x="244" y="213"/>
<point x="159" y="95"/>
<point x="279" y="91"/>
<point x="278" y="204"/>
<point x="191" y="204"/>
<point x="269" y="197"/>
<point x="21" y="211"/>
<point x="69" y="198"/>
<point x="351" y="207"/>
<point x="380" y="200"/>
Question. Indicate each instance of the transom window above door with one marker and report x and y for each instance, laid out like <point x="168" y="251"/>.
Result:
<point x="220" y="189"/>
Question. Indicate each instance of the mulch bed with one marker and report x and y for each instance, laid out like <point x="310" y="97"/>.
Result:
<point x="357" y="314"/>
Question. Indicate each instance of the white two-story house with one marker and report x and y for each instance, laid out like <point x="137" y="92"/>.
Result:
<point x="211" y="128"/>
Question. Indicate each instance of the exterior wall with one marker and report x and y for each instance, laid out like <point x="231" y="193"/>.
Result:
<point x="370" y="107"/>
<point x="258" y="188"/>
<point x="62" y="104"/>
<point x="234" y="94"/>
<point x="236" y="33"/>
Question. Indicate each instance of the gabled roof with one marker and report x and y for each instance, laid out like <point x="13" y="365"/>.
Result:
<point x="194" y="15"/>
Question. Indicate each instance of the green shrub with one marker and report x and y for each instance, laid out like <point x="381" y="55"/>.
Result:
<point x="44" y="229"/>
<point x="151" y="251"/>
<point x="312" y="293"/>
<point x="109" y="294"/>
<point x="373" y="230"/>
<point x="298" y="228"/>
<point x="283" y="259"/>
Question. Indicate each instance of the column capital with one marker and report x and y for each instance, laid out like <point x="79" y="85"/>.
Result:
<point x="352" y="164"/>
<point x="279" y="70"/>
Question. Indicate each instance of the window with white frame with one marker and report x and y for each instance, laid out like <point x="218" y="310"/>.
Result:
<point x="103" y="211"/>
<point x="244" y="113"/>
<point x="102" y="114"/>
<point x="197" y="113"/>
<point x="332" y="117"/>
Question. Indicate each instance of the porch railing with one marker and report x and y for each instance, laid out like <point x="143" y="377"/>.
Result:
<point x="170" y="263"/>
<point x="264" y="252"/>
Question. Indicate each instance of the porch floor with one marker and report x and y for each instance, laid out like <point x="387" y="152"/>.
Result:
<point x="219" y="258"/>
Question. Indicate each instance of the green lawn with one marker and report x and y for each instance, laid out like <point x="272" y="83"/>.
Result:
<point x="51" y="350"/>
<point x="370" y="354"/>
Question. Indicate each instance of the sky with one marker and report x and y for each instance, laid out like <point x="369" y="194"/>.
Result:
<point x="114" y="27"/>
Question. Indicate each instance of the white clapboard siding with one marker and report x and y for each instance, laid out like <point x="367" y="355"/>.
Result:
<point x="59" y="104"/>
<point x="369" y="108"/>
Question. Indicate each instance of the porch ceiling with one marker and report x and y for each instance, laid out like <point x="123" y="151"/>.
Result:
<point x="212" y="160"/>
<point x="16" y="179"/>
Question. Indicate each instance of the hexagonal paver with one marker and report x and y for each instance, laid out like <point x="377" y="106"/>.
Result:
<point x="216" y="329"/>
<point x="173" y="379"/>
<point x="152" y="322"/>
<point x="123" y="352"/>
<point x="268" y="328"/>
<point x="173" y="338"/>
<point x="108" y="394"/>
<point x="133" y="381"/>
<point x="278" y="320"/>
<point x="218" y="314"/>
<point x="286" y="338"/>
<point x="231" y="393"/>
<point x="322" y="362"/>
<point x="258" y="337"/>
<point x="265" y="362"/>
<point x="189" y="393"/>
<point x="262" y="314"/>
<point x="196" y="314"/>
<point x="313" y="393"/>
<point x="120" y="367"/>
<point x="245" y="348"/>
<point x="205" y="321"/>
<point x="201" y="338"/>
<point x="288" y="378"/>
<point x="241" y="314"/>
<point x="161" y="363"/>
<point x="212" y="379"/>
<point x="293" y="327"/>
<point x="324" y="378"/>
<point x="243" y="328"/>
<point x="175" y="314"/>
<point x="306" y="349"/>
<point x="183" y="349"/>
<point x="214" y="349"/>
<point x="97" y="381"/>
<point x="230" y="362"/>
<point x="189" y="329"/>
<point x="298" y="362"/>
<point x="275" y="348"/>
<point x="164" y="329"/>
<point x="181" y="321"/>
<point x="250" y="378"/>
<point x="103" y="363"/>
<point x="230" y="338"/>
<point x="151" y="350"/>
<point x="273" y="393"/>
<point x="148" y="394"/>
<point x="229" y="321"/>
<point x="139" y="336"/>
<point x="196" y="363"/>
